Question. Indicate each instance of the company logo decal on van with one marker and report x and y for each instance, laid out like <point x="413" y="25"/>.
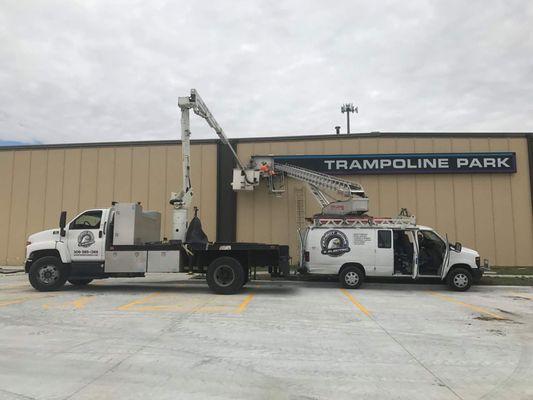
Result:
<point x="85" y="239"/>
<point x="334" y="243"/>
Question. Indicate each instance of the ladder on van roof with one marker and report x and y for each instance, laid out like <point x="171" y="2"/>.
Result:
<point x="402" y="221"/>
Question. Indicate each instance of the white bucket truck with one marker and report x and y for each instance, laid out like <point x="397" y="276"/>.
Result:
<point x="344" y="241"/>
<point x="124" y="240"/>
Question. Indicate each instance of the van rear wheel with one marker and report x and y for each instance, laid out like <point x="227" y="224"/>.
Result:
<point x="351" y="277"/>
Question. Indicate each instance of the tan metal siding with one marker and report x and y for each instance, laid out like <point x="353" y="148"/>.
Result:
<point x="487" y="212"/>
<point x="6" y="188"/>
<point x="37" y="184"/>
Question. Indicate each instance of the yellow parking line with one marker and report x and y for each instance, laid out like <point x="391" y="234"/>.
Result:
<point x="17" y="286"/>
<point x="143" y="300"/>
<point x="244" y="304"/>
<point x="16" y="301"/>
<point x="78" y="303"/>
<point x="524" y="295"/>
<point x="470" y="306"/>
<point x="356" y="303"/>
<point x="19" y="300"/>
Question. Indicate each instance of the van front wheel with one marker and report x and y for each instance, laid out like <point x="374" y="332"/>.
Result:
<point x="351" y="277"/>
<point x="460" y="279"/>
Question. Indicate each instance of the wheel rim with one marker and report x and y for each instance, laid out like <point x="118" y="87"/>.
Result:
<point x="49" y="274"/>
<point x="224" y="275"/>
<point x="460" y="280"/>
<point x="351" y="278"/>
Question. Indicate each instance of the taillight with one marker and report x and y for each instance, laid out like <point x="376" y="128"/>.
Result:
<point x="306" y="256"/>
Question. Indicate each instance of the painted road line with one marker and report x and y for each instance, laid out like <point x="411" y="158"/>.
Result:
<point x="77" y="304"/>
<point x="470" y="306"/>
<point x="244" y="304"/>
<point x="4" y="303"/>
<point x="361" y="308"/>
<point x="17" y="286"/>
<point x="18" y="300"/>
<point x="523" y="295"/>
<point x="142" y="300"/>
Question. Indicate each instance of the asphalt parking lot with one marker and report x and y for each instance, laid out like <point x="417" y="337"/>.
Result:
<point x="168" y="337"/>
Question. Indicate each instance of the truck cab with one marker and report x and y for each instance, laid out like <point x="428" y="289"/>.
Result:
<point x="360" y="248"/>
<point x="79" y="244"/>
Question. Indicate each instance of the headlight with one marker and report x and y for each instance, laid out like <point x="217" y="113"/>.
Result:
<point x="478" y="261"/>
<point x="28" y="242"/>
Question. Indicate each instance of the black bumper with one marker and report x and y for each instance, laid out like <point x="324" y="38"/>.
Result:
<point x="477" y="273"/>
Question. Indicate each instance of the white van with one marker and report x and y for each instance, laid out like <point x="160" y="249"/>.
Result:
<point x="354" y="248"/>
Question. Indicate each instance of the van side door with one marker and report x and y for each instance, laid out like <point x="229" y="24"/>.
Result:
<point x="85" y="236"/>
<point x="384" y="260"/>
<point x="445" y="267"/>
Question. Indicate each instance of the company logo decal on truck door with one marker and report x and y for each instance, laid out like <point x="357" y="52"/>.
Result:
<point x="86" y="239"/>
<point x="334" y="243"/>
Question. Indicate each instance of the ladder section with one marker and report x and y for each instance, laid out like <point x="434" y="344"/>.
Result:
<point x="401" y="222"/>
<point x="319" y="180"/>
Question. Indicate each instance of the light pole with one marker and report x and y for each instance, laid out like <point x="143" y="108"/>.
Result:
<point x="348" y="108"/>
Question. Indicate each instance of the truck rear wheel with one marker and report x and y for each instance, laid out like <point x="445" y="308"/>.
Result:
<point x="225" y="275"/>
<point x="47" y="274"/>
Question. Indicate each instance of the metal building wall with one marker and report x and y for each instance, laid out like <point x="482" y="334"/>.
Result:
<point x="488" y="212"/>
<point x="36" y="184"/>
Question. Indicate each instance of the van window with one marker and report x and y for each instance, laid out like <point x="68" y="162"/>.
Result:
<point x="384" y="239"/>
<point x="87" y="220"/>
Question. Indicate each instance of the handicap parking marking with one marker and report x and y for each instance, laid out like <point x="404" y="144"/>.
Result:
<point x="467" y="305"/>
<point x="352" y="299"/>
<point x="78" y="303"/>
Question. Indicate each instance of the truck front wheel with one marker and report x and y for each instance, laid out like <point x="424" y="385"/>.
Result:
<point x="47" y="274"/>
<point x="225" y="275"/>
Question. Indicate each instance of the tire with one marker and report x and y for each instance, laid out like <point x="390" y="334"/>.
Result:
<point x="47" y="274"/>
<point x="79" y="282"/>
<point x="351" y="277"/>
<point x="460" y="279"/>
<point x="225" y="275"/>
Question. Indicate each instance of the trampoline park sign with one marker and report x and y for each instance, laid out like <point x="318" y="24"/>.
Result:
<point x="434" y="163"/>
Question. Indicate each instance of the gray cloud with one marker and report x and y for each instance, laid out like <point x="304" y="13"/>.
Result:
<point x="103" y="71"/>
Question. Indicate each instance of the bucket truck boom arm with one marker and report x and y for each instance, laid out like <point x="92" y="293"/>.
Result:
<point x="181" y="201"/>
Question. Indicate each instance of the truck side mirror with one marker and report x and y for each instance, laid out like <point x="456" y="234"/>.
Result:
<point x="458" y="246"/>
<point x="62" y="223"/>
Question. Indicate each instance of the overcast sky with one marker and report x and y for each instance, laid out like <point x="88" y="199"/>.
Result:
<point x="80" y="71"/>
